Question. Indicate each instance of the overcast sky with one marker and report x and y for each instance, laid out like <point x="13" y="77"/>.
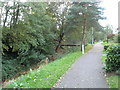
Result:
<point x="110" y="12"/>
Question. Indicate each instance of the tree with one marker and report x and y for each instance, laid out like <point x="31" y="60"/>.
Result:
<point x="59" y="13"/>
<point x="108" y="32"/>
<point x="83" y="16"/>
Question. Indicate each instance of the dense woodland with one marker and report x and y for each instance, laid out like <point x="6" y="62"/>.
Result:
<point x="34" y="31"/>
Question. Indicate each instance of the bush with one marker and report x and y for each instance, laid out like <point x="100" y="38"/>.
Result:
<point x="113" y="58"/>
<point x="106" y="47"/>
<point x="12" y="65"/>
<point x="10" y="68"/>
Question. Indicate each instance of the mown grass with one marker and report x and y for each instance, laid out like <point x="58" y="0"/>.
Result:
<point x="109" y="43"/>
<point x="48" y="75"/>
<point x="113" y="81"/>
<point x="104" y="56"/>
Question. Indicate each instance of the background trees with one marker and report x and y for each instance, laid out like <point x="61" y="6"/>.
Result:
<point x="27" y="35"/>
<point x="82" y="17"/>
<point x="33" y="31"/>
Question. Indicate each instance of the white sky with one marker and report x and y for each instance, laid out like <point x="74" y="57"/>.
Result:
<point x="110" y="12"/>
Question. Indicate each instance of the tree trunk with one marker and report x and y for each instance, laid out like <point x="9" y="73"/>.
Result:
<point x="107" y="40"/>
<point x="17" y="13"/>
<point x="84" y="33"/>
<point x="92" y="37"/>
<point x="6" y="15"/>
<point x="60" y="36"/>
<point x="60" y="40"/>
<point x="14" y="20"/>
<point x="11" y="22"/>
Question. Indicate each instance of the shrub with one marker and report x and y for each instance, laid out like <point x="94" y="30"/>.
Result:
<point x="9" y="68"/>
<point x="106" y="47"/>
<point x="113" y="58"/>
<point x="12" y="65"/>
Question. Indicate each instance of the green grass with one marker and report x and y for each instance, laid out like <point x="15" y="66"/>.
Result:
<point x="104" y="58"/>
<point x="113" y="81"/>
<point x="109" y="43"/>
<point x="48" y="75"/>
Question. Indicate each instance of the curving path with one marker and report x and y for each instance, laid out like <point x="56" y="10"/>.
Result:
<point x="86" y="72"/>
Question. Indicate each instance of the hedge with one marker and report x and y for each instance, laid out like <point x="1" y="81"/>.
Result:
<point x="113" y="58"/>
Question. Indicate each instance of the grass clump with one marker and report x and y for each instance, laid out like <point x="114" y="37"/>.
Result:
<point x="47" y="76"/>
<point x="113" y="81"/>
<point x="103" y="58"/>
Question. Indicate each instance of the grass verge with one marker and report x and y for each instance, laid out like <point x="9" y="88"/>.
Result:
<point x="110" y="43"/>
<point x="113" y="81"/>
<point x="104" y="56"/>
<point x="48" y="75"/>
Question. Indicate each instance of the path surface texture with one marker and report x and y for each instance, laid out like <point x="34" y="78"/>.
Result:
<point x="87" y="72"/>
